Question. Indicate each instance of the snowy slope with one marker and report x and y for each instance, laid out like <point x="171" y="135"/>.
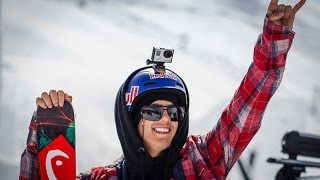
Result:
<point x="90" y="51"/>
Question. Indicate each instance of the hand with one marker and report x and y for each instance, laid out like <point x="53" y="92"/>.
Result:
<point x="283" y="14"/>
<point x="54" y="98"/>
<point x="98" y="173"/>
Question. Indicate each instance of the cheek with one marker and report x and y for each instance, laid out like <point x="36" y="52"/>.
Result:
<point x="144" y="127"/>
<point x="140" y="128"/>
<point x="175" y="127"/>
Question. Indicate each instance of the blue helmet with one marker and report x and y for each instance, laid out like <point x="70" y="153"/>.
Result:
<point x="150" y="82"/>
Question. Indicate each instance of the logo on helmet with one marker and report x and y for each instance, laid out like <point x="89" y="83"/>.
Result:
<point x="132" y="94"/>
<point x="163" y="76"/>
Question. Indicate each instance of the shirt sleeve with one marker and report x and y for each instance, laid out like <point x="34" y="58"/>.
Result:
<point x="84" y="175"/>
<point x="29" y="166"/>
<point x="241" y="119"/>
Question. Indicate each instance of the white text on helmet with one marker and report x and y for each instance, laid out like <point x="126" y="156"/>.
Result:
<point x="162" y="75"/>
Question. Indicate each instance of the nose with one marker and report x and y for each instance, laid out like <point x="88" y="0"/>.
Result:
<point x="165" y="116"/>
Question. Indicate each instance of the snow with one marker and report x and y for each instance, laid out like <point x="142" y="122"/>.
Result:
<point x="89" y="51"/>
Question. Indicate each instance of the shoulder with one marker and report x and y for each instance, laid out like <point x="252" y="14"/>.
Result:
<point x="112" y="172"/>
<point x="194" y="140"/>
<point x="192" y="143"/>
<point x="106" y="172"/>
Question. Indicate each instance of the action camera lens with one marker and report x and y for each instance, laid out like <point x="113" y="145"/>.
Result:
<point x="167" y="54"/>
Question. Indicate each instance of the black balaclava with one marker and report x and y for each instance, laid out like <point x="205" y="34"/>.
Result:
<point x="138" y="161"/>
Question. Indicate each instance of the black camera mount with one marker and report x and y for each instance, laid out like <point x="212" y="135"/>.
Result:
<point x="294" y="144"/>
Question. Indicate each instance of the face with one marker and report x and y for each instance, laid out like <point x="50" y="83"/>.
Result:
<point x="157" y="135"/>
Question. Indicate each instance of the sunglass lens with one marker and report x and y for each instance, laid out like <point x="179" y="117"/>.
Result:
<point x="155" y="113"/>
<point x="173" y="113"/>
<point x="182" y="113"/>
<point x="151" y="113"/>
<point x="177" y="113"/>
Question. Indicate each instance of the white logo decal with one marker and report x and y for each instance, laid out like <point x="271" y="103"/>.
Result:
<point x="163" y="76"/>
<point x="51" y="154"/>
<point x="132" y="94"/>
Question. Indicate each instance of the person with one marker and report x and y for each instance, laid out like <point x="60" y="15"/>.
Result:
<point x="152" y="120"/>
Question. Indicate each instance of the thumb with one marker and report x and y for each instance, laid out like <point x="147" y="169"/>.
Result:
<point x="276" y="16"/>
<point x="68" y="98"/>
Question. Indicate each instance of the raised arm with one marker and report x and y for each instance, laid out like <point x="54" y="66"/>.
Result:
<point x="29" y="165"/>
<point x="241" y="119"/>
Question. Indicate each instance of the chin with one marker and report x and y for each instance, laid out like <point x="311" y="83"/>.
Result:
<point x="163" y="146"/>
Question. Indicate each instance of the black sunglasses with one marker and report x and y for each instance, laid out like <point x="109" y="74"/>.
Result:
<point x="155" y="112"/>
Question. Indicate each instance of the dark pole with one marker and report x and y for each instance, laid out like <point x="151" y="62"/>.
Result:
<point x="243" y="171"/>
<point x="1" y="65"/>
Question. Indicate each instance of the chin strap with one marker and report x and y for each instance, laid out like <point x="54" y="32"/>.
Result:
<point x="142" y="129"/>
<point x="141" y="151"/>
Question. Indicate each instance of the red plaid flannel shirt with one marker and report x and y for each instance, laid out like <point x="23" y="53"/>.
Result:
<point x="29" y="166"/>
<point x="212" y="156"/>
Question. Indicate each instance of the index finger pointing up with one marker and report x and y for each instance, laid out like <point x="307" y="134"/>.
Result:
<point x="272" y="2"/>
<point x="273" y="6"/>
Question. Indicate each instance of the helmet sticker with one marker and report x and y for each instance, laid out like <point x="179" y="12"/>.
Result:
<point x="163" y="76"/>
<point x="132" y="94"/>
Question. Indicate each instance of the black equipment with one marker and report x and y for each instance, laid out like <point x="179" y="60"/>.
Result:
<point x="297" y="144"/>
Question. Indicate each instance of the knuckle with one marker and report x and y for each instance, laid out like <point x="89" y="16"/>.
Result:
<point x="282" y="7"/>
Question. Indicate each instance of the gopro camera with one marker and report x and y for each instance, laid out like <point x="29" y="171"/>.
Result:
<point x="161" y="55"/>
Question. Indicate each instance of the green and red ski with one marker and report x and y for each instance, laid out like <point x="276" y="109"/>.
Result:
<point x="56" y="142"/>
